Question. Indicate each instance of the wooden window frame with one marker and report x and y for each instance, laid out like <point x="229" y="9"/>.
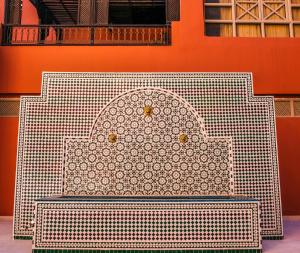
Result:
<point x="262" y="19"/>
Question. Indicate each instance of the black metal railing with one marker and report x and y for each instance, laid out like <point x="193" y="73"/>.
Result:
<point x="86" y="35"/>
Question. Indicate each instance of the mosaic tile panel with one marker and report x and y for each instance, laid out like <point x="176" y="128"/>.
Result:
<point x="145" y="251"/>
<point x="148" y="142"/>
<point x="70" y="102"/>
<point x="142" y="224"/>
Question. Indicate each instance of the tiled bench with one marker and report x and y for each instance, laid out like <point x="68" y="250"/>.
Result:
<point x="92" y="224"/>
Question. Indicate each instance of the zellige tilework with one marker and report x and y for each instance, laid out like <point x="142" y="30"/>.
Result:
<point x="137" y="223"/>
<point x="148" y="142"/>
<point x="70" y="102"/>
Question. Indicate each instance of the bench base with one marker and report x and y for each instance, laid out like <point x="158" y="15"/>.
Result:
<point x="139" y="223"/>
<point x="147" y="251"/>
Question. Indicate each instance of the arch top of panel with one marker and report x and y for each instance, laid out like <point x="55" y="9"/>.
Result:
<point x="148" y="142"/>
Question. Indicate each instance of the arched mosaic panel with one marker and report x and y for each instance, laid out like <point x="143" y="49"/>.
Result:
<point x="148" y="142"/>
<point x="70" y="102"/>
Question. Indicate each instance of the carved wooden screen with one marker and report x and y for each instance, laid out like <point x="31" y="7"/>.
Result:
<point x="257" y="18"/>
<point x="287" y="107"/>
<point x="9" y="107"/>
<point x="173" y="10"/>
<point x="101" y="12"/>
<point x="93" y="12"/>
<point x="85" y="8"/>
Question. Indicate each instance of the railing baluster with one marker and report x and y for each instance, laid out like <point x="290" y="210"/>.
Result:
<point x="15" y="33"/>
<point x="6" y="35"/>
<point x="39" y="35"/>
<point x="143" y="34"/>
<point x="76" y="31"/>
<point x="21" y="37"/>
<point x="92" y="35"/>
<point x="57" y="32"/>
<point x="66" y="35"/>
<point x="27" y="39"/>
<point x="11" y="34"/>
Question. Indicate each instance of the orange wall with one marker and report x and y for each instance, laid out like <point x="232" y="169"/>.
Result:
<point x="8" y="152"/>
<point x="2" y="11"/>
<point x="29" y="13"/>
<point x="274" y="62"/>
<point x="288" y="132"/>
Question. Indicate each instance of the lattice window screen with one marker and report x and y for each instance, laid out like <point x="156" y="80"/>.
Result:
<point x="283" y="108"/>
<point x="297" y="108"/>
<point x="287" y="107"/>
<point x="93" y="12"/>
<point x="101" y="12"/>
<point x="173" y="10"/>
<point x="85" y="12"/>
<point x="14" y="11"/>
<point x="9" y="107"/>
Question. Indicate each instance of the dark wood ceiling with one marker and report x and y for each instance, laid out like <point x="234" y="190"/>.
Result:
<point x="63" y="11"/>
<point x="66" y="11"/>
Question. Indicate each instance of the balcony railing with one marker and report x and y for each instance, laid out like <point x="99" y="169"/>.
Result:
<point x="86" y="35"/>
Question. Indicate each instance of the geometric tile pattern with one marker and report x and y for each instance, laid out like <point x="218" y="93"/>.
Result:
<point x="70" y="102"/>
<point x="147" y="156"/>
<point x="142" y="224"/>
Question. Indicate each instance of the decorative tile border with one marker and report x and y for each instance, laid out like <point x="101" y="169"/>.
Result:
<point x="70" y="102"/>
<point x="147" y="251"/>
<point x="186" y="224"/>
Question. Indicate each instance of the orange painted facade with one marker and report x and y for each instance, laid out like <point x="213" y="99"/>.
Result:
<point x="274" y="63"/>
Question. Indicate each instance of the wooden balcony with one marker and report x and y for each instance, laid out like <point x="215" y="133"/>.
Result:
<point x="43" y="35"/>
